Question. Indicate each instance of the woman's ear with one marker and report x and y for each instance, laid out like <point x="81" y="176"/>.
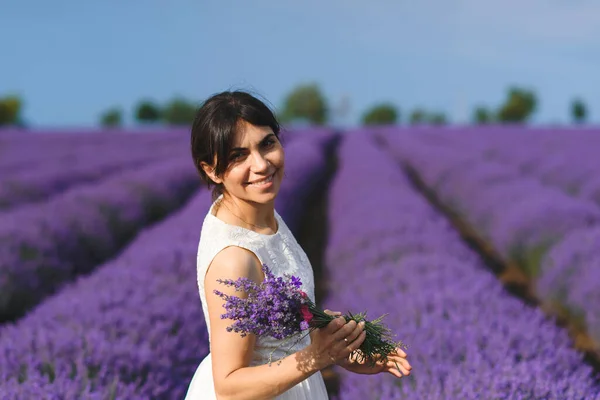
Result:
<point x="210" y="172"/>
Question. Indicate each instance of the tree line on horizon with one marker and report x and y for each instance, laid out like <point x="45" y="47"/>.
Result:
<point x="307" y="104"/>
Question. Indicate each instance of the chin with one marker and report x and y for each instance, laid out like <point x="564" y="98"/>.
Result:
<point x="264" y="198"/>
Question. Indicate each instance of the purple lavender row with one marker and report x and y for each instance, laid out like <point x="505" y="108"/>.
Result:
<point x="561" y="157"/>
<point x="570" y="278"/>
<point x="567" y="269"/>
<point x="21" y="151"/>
<point x="522" y="217"/>
<point x="137" y="319"/>
<point x="88" y="165"/>
<point x="47" y="244"/>
<point x="570" y="271"/>
<point x="36" y="150"/>
<point x="64" y="388"/>
<point x="391" y="252"/>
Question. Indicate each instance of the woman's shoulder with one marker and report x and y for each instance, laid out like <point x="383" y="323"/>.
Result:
<point x="233" y="262"/>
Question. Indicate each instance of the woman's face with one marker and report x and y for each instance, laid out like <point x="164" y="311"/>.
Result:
<point x="255" y="165"/>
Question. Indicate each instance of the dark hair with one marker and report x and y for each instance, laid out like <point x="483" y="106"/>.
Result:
<point x="215" y="125"/>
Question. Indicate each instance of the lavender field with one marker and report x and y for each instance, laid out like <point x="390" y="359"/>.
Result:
<point x="99" y="234"/>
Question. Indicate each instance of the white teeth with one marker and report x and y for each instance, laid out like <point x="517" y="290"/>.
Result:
<point x="263" y="181"/>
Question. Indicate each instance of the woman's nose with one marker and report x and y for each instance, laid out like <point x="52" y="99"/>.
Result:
<point x="259" y="163"/>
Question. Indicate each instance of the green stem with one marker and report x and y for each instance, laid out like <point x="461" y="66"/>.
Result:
<point x="378" y="343"/>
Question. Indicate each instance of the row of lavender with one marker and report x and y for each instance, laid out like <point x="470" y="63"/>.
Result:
<point x="563" y="158"/>
<point x="566" y="159"/>
<point x="552" y="235"/>
<point x="134" y="328"/>
<point x="21" y="150"/>
<point x="29" y="151"/>
<point x="46" y="244"/>
<point x="55" y="168"/>
<point x="467" y="337"/>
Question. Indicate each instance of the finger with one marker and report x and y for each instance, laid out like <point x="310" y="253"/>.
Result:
<point x="401" y="352"/>
<point x="401" y="361"/>
<point x="329" y="312"/>
<point x="406" y="364"/>
<point x="345" y="331"/>
<point x="391" y="366"/>
<point x="395" y="372"/>
<point x="335" y="325"/>
<point x="354" y="334"/>
<point x="355" y="344"/>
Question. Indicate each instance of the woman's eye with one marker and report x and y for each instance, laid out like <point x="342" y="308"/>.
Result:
<point x="269" y="142"/>
<point x="235" y="156"/>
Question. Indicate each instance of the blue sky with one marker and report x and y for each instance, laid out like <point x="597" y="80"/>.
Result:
<point x="70" y="60"/>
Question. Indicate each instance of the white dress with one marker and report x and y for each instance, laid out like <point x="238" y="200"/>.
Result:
<point x="282" y="254"/>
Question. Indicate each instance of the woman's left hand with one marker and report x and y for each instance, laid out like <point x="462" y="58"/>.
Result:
<point x="396" y="364"/>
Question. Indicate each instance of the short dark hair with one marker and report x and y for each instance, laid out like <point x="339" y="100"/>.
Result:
<point x="215" y="125"/>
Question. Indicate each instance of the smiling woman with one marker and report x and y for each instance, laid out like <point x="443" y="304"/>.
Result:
<point x="252" y="178"/>
<point x="228" y="128"/>
<point x="236" y="149"/>
<point x="255" y="167"/>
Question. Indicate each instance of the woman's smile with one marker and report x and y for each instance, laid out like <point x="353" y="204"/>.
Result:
<point x="263" y="183"/>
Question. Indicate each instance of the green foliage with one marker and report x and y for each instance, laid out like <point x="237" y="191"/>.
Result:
<point x="518" y="106"/>
<point x="147" y="111"/>
<point x="10" y="110"/>
<point x="112" y="117"/>
<point x="305" y="102"/>
<point x="421" y="116"/>
<point x="578" y="111"/>
<point x="417" y="116"/>
<point x="179" y="111"/>
<point x="437" y="118"/>
<point x="483" y="115"/>
<point x="381" y="114"/>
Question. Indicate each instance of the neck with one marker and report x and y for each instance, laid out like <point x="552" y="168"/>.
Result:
<point x="253" y="216"/>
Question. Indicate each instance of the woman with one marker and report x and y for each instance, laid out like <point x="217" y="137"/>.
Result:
<point x="236" y="148"/>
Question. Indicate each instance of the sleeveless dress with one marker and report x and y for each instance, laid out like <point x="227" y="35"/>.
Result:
<point x="282" y="254"/>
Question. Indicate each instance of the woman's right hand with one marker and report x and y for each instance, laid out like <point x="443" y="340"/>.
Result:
<point x="336" y="341"/>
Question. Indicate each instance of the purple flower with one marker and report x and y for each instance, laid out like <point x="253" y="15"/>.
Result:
<point x="271" y="308"/>
<point x="304" y="325"/>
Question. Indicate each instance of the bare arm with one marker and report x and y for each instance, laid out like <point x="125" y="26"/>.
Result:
<point x="231" y="354"/>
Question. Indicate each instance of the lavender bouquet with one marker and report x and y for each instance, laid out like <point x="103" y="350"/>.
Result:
<point x="278" y="308"/>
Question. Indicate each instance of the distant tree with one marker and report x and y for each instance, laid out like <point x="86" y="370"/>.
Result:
<point x="147" y="111"/>
<point x="5" y="114"/>
<point x="437" y="118"/>
<point x="381" y="114"/>
<point x="417" y="116"/>
<point x="10" y="110"/>
<point x="305" y="102"/>
<point x="578" y="111"/>
<point x="179" y="111"/>
<point x="482" y="115"/>
<point x="518" y="106"/>
<point x="112" y="117"/>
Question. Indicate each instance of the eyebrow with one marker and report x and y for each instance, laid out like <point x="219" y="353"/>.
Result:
<point x="261" y="141"/>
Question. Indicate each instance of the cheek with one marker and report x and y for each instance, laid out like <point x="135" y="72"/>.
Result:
<point x="278" y="158"/>
<point x="234" y="177"/>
